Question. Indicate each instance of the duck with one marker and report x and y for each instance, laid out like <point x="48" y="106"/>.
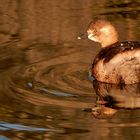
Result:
<point x="117" y="62"/>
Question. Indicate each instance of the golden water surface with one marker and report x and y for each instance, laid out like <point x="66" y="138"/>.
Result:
<point x="45" y="88"/>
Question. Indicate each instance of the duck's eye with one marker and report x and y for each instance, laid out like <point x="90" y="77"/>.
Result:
<point x="94" y="31"/>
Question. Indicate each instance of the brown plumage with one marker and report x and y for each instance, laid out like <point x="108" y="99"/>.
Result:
<point x="120" y="47"/>
<point x="117" y="62"/>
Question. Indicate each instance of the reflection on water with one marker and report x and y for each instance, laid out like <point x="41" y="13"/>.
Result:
<point x="41" y="94"/>
<point x="7" y="126"/>
<point x="111" y="98"/>
<point x="128" y="9"/>
<point x="44" y="72"/>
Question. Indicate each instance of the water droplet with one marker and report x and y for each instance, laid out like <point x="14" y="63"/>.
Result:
<point x="29" y="85"/>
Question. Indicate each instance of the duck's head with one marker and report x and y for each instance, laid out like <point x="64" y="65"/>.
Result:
<point x="101" y="31"/>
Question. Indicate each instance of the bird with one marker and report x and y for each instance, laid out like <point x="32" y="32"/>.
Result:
<point x="117" y="62"/>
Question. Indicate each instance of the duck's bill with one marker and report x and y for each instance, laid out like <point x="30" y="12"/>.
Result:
<point x="83" y="36"/>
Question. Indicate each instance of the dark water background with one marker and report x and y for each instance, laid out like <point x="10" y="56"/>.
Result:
<point x="44" y="84"/>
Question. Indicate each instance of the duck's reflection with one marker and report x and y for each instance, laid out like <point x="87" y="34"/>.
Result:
<point x="111" y="98"/>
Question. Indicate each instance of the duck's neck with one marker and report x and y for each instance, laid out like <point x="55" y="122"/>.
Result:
<point x="108" y="42"/>
<point x="109" y="37"/>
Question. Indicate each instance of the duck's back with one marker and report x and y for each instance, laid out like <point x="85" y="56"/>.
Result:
<point x="118" y="63"/>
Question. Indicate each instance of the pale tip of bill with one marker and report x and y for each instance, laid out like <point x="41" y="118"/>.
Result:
<point x="78" y="37"/>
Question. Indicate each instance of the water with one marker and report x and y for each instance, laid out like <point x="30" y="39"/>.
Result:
<point x="46" y="91"/>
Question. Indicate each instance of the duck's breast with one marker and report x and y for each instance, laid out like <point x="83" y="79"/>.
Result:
<point x="118" y="64"/>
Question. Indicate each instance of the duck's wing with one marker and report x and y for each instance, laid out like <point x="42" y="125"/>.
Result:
<point x="118" y="63"/>
<point x="125" y="66"/>
<point x="111" y="51"/>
